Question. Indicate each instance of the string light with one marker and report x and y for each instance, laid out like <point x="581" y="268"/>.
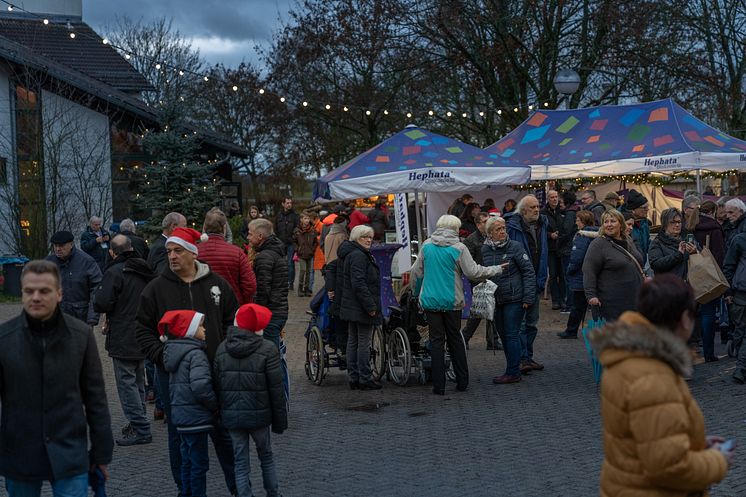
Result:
<point x="105" y="41"/>
<point x="235" y="88"/>
<point x="463" y="114"/>
<point x="385" y="112"/>
<point x="345" y="108"/>
<point x="448" y="114"/>
<point x="10" y="8"/>
<point x="282" y="99"/>
<point x="409" y="115"/>
<point x="367" y="112"/>
<point x="515" y="109"/>
<point x="72" y="35"/>
<point x="45" y="21"/>
<point x="499" y="112"/>
<point x="305" y="104"/>
<point x="206" y="79"/>
<point x="430" y="113"/>
<point x="327" y="106"/>
<point x="158" y="67"/>
<point x="261" y="91"/>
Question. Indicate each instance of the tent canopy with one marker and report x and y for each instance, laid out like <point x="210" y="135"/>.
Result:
<point x="417" y="160"/>
<point x="650" y="137"/>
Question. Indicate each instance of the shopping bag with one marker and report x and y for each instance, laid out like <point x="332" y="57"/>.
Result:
<point x="705" y="277"/>
<point x="595" y="322"/>
<point x="483" y="300"/>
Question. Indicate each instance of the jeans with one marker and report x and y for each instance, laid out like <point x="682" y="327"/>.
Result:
<point x="471" y="327"/>
<point x="195" y="461"/>
<point x="313" y="275"/>
<point x="507" y="321"/>
<point x="565" y="261"/>
<point x="577" y="312"/>
<point x="290" y="251"/>
<point x="152" y="383"/>
<point x="529" y="330"/>
<point x="738" y="319"/>
<point x="305" y="270"/>
<point x="706" y="316"/>
<point x="358" y="352"/>
<point x="130" y="379"/>
<point x="557" y="286"/>
<point x="221" y="440"/>
<point x="445" y="327"/>
<point x="262" y="440"/>
<point x="75" y="486"/>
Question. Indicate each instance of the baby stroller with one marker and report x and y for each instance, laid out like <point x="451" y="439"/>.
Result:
<point x="325" y="343"/>
<point x="408" y="343"/>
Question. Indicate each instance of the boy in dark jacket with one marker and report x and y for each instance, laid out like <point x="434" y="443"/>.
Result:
<point x="305" y="243"/>
<point x="193" y="400"/>
<point x="249" y="382"/>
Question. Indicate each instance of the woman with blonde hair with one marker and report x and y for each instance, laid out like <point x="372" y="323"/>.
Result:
<point x="612" y="268"/>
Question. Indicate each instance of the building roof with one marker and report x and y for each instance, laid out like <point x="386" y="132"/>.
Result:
<point x="86" y="54"/>
<point x="23" y="55"/>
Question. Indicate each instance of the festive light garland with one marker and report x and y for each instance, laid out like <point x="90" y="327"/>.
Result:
<point x="303" y="103"/>
<point x="636" y="179"/>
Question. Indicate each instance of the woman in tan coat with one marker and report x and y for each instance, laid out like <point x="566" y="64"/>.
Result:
<point x="654" y="432"/>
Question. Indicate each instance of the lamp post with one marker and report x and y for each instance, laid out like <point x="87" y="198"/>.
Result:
<point x="566" y="82"/>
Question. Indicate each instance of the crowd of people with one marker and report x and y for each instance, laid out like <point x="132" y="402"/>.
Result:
<point x="194" y="324"/>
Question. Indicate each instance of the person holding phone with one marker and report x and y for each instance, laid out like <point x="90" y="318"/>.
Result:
<point x="654" y="431"/>
<point x="668" y="252"/>
<point x="516" y="292"/>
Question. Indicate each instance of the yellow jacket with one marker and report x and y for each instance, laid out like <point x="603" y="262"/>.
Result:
<point x="654" y="431"/>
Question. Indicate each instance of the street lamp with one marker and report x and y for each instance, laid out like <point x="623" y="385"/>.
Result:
<point x="566" y="82"/>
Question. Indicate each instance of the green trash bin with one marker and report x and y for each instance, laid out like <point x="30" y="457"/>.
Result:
<point x="12" y="276"/>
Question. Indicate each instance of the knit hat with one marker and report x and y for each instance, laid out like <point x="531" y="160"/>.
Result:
<point x="182" y="324"/>
<point x="186" y="237"/>
<point x="635" y="199"/>
<point x="612" y="196"/>
<point x="253" y="318"/>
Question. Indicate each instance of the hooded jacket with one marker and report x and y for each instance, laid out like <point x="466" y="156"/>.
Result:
<point x="582" y="240"/>
<point x="337" y="235"/>
<point x="80" y="276"/>
<point x="438" y="269"/>
<point x="654" y="431"/>
<point x="517" y="230"/>
<point x="664" y="256"/>
<point x="193" y="400"/>
<point x="249" y="383"/>
<point x="567" y="231"/>
<point x="55" y="417"/>
<point x="271" y="269"/>
<point x="118" y="296"/>
<point x="208" y="293"/>
<point x="709" y="227"/>
<point x="518" y="282"/>
<point x="231" y="264"/>
<point x="138" y="243"/>
<point x="361" y="293"/>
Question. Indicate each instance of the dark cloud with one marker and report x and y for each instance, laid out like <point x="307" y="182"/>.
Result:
<point x="235" y="25"/>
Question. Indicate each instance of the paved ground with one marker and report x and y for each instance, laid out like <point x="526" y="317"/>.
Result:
<point x="541" y="437"/>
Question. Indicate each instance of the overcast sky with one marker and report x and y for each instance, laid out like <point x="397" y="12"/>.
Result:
<point x="224" y="31"/>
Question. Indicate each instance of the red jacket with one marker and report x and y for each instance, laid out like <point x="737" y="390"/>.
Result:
<point x="357" y="218"/>
<point x="229" y="262"/>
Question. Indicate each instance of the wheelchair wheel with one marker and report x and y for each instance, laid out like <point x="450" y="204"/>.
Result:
<point x="399" y="357"/>
<point x="377" y="354"/>
<point x="315" y="356"/>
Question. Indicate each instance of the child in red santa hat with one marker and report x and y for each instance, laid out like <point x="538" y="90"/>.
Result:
<point x="193" y="400"/>
<point x="249" y="383"/>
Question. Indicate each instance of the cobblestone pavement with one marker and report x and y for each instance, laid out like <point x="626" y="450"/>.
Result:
<point x="541" y="437"/>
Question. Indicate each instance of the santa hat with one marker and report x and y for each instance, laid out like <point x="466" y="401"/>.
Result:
<point x="182" y="324"/>
<point x="186" y="237"/>
<point x="253" y="318"/>
<point x="494" y="212"/>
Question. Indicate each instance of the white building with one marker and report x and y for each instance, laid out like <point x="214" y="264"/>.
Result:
<point x="70" y="124"/>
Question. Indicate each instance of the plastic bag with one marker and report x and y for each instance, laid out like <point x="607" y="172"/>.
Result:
<point x="483" y="300"/>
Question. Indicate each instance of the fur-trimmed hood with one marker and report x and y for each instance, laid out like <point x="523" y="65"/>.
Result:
<point x="589" y="232"/>
<point x="634" y="336"/>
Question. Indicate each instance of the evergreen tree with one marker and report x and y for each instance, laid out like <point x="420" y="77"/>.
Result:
<point x="176" y="179"/>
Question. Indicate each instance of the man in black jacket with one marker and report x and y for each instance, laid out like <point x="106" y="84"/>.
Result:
<point x="94" y="241"/>
<point x="285" y="223"/>
<point x="52" y="393"/>
<point x="80" y="277"/>
<point x="127" y="228"/>
<point x="125" y="278"/>
<point x="270" y="269"/>
<point x="157" y="255"/>
<point x="555" y="216"/>
<point x="590" y="203"/>
<point x="187" y="284"/>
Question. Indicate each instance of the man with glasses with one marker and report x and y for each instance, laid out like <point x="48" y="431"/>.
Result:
<point x="590" y="203"/>
<point x="637" y="204"/>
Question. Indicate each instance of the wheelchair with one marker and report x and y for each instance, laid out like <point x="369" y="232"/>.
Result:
<point x="408" y="344"/>
<point x="325" y="345"/>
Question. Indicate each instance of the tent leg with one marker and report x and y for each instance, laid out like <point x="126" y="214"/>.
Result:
<point x="417" y="218"/>
<point x="699" y="183"/>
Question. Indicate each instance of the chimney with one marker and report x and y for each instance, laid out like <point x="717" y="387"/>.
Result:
<point x="61" y="8"/>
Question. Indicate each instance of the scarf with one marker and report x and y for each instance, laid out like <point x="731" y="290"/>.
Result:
<point x="495" y="244"/>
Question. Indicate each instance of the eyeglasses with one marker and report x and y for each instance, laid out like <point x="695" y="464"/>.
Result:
<point x="499" y="228"/>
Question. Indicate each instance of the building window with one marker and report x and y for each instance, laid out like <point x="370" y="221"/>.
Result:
<point x="31" y="192"/>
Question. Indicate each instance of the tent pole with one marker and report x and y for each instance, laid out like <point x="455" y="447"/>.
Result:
<point x="699" y="183"/>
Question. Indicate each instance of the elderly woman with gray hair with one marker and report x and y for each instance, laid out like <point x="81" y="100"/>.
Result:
<point x="668" y="253"/>
<point x="437" y="280"/>
<point x="360" y="305"/>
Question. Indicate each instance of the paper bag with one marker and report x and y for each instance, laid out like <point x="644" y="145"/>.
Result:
<point x="705" y="277"/>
